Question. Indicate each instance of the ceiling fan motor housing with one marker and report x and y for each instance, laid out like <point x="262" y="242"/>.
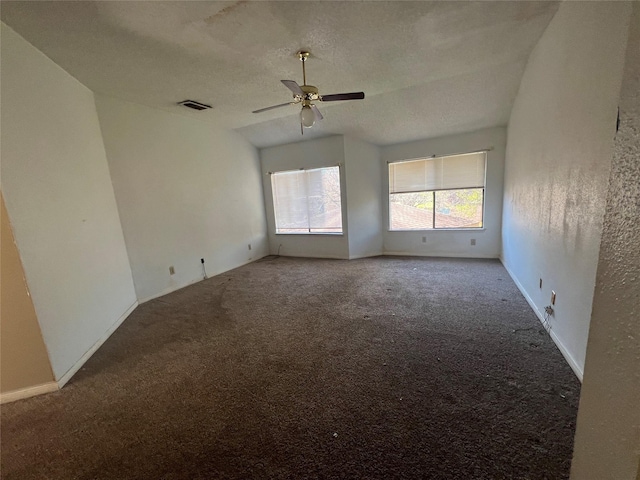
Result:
<point x="310" y="94"/>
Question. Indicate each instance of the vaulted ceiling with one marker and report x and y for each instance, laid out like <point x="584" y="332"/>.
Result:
<point x="427" y="68"/>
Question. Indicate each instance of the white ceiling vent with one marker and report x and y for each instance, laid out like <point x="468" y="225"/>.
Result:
<point x="194" y="105"/>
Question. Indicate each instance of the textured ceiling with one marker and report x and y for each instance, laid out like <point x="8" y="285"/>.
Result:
<point x="427" y="68"/>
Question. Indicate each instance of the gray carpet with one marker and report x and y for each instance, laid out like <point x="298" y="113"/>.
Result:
<point x="288" y="368"/>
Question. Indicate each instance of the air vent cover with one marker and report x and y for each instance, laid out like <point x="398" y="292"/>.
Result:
<point x="194" y="105"/>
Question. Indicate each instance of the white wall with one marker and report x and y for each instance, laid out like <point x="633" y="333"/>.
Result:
<point x="185" y="191"/>
<point x="450" y="243"/>
<point x="323" y="152"/>
<point x="557" y="164"/>
<point x="607" y="443"/>
<point x="60" y="201"/>
<point x="364" y="184"/>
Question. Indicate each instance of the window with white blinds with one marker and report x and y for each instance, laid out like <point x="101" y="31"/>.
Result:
<point x="307" y="201"/>
<point x="438" y="192"/>
<point x="439" y="173"/>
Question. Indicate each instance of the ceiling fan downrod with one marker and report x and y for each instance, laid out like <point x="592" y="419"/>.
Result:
<point x="303" y="55"/>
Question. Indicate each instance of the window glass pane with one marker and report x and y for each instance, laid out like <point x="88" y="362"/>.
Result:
<point x="459" y="208"/>
<point x="325" y="208"/>
<point x="307" y="201"/>
<point x="411" y="211"/>
<point x="289" y="201"/>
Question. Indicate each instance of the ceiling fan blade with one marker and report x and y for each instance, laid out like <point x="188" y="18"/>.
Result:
<point x="274" y="106"/>
<point x="293" y="86"/>
<point x="316" y="112"/>
<point x="342" y="96"/>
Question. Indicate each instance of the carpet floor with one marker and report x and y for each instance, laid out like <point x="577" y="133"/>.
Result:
<point x="289" y="368"/>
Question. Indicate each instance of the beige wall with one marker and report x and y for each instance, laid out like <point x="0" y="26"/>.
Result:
<point x="23" y="356"/>
<point x="607" y="444"/>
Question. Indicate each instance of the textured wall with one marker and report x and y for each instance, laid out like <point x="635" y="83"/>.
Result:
<point x="608" y="433"/>
<point x="23" y="357"/>
<point x="559" y="145"/>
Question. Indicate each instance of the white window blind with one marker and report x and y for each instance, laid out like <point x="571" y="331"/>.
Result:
<point x="307" y="201"/>
<point x="440" y="173"/>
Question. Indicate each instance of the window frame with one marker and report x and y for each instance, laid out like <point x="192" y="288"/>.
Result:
<point x="292" y="170"/>
<point x="433" y="192"/>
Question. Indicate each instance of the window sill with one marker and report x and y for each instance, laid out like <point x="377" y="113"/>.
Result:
<point x="430" y="230"/>
<point x="314" y="234"/>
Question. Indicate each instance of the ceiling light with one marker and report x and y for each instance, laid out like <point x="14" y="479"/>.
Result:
<point x="307" y="116"/>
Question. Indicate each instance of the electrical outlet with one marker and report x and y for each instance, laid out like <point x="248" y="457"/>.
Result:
<point x="249" y="246"/>
<point x="553" y="297"/>
<point x="424" y="239"/>
<point x="473" y="241"/>
<point x="172" y="270"/>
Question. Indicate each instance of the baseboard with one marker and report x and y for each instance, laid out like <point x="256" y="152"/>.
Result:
<point x="567" y="355"/>
<point x="327" y="257"/>
<point x="27" y="392"/>
<point x="561" y="346"/>
<point x="366" y="255"/>
<point x="439" y="255"/>
<point x="169" y="290"/>
<point x="78" y="365"/>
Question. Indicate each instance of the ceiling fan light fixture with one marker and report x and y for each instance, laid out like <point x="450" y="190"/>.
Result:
<point x="307" y="116"/>
<point x="305" y="94"/>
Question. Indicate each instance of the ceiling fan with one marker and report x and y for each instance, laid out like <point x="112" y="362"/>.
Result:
<point x="306" y="94"/>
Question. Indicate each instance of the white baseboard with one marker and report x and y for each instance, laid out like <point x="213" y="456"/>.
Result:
<point x="561" y="346"/>
<point x="78" y="365"/>
<point x="301" y="255"/>
<point x="366" y="255"/>
<point x="567" y="355"/>
<point x="169" y="290"/>
<point x="27" y="392"/>
<point x="439" y="255"/>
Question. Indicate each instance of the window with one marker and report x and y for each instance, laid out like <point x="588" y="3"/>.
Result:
<point x="307" y="201"/>
<point x="437" y="193"/>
